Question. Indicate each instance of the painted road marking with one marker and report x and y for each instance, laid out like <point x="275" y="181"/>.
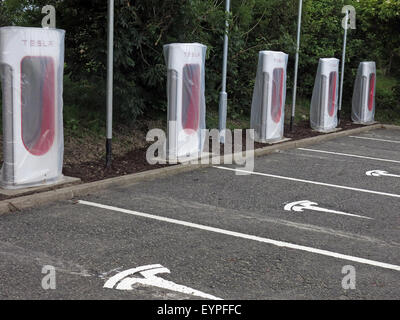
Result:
<point x="381" y="173"/>
<point x="246" y="236"/>
<point x="375" y="139"/>
<point x="349" y="155"/>
<point x="300" y="206"/>
<point x="393" y="195"/>
<point x="146" y="275"/>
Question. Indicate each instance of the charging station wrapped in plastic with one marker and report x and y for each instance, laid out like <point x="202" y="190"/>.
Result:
<point x="186" y="99"/>
<point x="324" y="103"/>
<point x="268" y="105"/>
<point x="363" y="110"/>
<point x="31" y="66"/>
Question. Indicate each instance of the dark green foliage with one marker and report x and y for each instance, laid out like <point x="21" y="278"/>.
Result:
<point x="142" y="27"/>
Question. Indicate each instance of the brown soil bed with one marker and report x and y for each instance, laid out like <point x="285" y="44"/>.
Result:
<point x="132" y="162"/>
<point x="135" y="161"/>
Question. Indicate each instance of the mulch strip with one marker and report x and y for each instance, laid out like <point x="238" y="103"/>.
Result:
<point x="135" y="160"/>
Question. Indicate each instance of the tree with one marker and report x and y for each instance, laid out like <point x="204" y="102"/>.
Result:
<point x="142" y="27"/>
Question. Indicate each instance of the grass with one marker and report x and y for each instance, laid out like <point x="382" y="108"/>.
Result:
<point x="212" y="121"/>
<point x="302" y="109"/>
<point x="385" y="82"/>
<point x="387" y="106"/>
<point x="388" y="117"/>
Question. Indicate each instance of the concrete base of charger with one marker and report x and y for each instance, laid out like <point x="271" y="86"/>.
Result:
<point x="65" y="181"/>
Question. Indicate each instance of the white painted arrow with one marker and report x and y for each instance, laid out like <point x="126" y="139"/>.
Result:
<point x="381" y="173"/>
<point x="300" y="206"/>
<point x="147" y="276"/>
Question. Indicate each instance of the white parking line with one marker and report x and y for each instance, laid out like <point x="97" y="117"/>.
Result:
<point x="246" y="236"/>
<point x="349" y="155"/>
<point x="393" y="195"/>
<point x="375" y="139"/>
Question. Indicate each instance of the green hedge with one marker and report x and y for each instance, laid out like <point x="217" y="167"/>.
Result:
<point x="142" y="27"/>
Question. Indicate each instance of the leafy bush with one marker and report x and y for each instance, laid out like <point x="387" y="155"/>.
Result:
<point x="396" y="92"/>
<point x="386" y="99"/>
<point x="142" y="27"/>
<point x="82" y="102"/>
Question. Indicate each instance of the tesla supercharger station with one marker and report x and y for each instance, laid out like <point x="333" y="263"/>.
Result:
<point x="186" y="99"/>
<point x="324" y="103"/>
<point x="32" y="64"/>
<point x="268" y="105"/>
<point x="363" y="110"/>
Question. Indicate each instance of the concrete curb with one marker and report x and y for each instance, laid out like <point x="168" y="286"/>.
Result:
<point x="391" y="126"/>
<point x="68" y="193"/>
<point x="25" y="202"/>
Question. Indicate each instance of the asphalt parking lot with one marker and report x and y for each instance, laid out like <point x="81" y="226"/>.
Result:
<point x="284" y="231"/>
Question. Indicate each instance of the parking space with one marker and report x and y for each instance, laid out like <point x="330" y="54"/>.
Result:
<point x="384" y="151"/>
<point x="383" y="134"/>
<point x="284" y="231"/>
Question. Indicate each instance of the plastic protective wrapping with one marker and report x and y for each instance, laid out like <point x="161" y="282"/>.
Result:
<point x="31" y="66"/>
<point x="324" y="103"/>
<point x="186" y="99"/>
<point x="363" y="110"/>
<point x="268" y="106"/>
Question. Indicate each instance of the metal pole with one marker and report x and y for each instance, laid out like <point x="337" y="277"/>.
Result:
<point x="223" y="97"/>
<point x="343" y="63"/>
<point x="110" y="76"/>
<point x="296" y="68"/>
